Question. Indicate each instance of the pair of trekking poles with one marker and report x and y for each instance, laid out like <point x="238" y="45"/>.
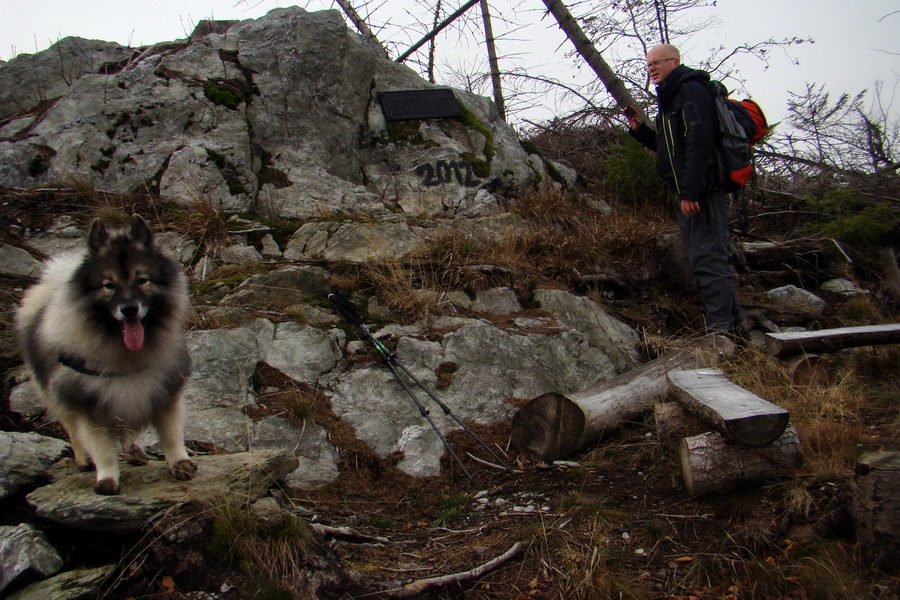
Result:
<point x="347" y="309"/>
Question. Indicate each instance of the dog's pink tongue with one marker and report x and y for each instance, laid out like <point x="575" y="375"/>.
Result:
<point x="133" y="335"/>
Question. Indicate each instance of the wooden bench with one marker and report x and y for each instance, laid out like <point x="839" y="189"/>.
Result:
<point x="782" y="345"/>
<point x="740" y="415"/>
<point x="753" y="441"/>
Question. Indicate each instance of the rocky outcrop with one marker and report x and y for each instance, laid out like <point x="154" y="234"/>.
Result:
<point x="24" y="457"/>
<point x="25" y="550"/>
<point x="149" y="489"/>
<point x="279" y="114"/>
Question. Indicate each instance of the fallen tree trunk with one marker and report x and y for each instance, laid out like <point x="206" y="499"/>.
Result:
<point x="781" y="345"/>
<point x="553" y="426"/>
<point x="810" y="255"/>
<point x="739" y="414"/>
<point x="712" y="463"/>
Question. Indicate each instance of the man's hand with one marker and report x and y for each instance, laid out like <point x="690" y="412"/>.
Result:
<point x="689" y="207"/>
<point x="632" y="116"/>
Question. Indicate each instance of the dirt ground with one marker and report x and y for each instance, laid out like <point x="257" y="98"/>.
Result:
<point x="612" y="523"/>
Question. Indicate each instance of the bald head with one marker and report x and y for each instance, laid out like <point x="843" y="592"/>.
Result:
<point x="661" y="60"/>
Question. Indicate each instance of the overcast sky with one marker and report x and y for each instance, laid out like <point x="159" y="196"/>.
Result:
<point x="856" y="43"/>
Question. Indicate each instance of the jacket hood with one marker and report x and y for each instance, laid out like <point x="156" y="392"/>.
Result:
<point x="676" y="79"/>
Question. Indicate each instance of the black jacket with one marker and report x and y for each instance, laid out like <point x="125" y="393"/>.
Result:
<point x="685" y="137"/>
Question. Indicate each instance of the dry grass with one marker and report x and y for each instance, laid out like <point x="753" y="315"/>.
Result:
<point x="828" y="418"/>
<point x="269" y="549"/>
<point x="561" y="239"/>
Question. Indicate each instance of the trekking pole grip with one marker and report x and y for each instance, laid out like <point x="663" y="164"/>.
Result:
<point x="345" y="306"/>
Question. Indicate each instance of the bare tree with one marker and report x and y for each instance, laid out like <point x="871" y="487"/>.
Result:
<point x="841" y="134"/>
<point x="614" y="85"/>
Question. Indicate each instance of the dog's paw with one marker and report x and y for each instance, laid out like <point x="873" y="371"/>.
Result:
<point x="183" y="469"/>
<point x="135" y="455"/>
<point x="107" y="487"/>
<point x="88" y="466"/>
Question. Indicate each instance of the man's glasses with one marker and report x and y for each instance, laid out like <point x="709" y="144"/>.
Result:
<point x="657" y="62"/>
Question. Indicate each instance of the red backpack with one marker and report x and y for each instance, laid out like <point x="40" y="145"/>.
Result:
<point x="741" y="124"/>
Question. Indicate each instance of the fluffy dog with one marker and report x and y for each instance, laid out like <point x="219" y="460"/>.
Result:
<point x="102" y="333"/>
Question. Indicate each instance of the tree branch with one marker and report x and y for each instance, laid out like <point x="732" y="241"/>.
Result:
<point x="416" y="588"/>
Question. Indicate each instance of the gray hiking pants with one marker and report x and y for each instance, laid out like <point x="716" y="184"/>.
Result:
<point x="705" y="236"/>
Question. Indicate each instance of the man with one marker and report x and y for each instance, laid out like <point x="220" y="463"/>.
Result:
<point x="685" y="146"/>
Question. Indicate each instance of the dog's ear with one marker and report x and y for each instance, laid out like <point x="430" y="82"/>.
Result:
<point x="140" y="231"/>
<point x="98" y="236"/>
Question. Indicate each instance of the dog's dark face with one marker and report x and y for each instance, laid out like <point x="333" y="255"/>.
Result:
<point x="127" y="284"/>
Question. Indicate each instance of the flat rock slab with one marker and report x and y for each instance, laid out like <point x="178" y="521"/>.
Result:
<point x="148" y="489"/>
<point x="740" y="415"/>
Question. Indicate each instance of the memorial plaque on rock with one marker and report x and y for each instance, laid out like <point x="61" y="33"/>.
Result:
<point x="419" y="104"/>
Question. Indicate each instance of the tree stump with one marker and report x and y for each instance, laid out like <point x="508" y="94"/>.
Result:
<point x="710" y="462"/>
<point x="875" y="506"/>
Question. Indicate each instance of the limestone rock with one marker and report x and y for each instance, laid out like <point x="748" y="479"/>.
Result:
<point x="25" y="550"/>
<point x="148" y="489"/>
<point x="794" y="297"/>
<point x="71" y="585"/>
<point x="278" y="114"/>
<point x="24" y="457"/>
<point x="15" y="261"/>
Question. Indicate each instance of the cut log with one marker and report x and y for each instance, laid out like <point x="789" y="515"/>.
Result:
<point x="808" y="369"/>
<point x="875" y="506"/>
<point x="741" y="415"/>
<point x="782" y="345"/>
<point x="710" y="462"/>
<point x="553" y="426"/>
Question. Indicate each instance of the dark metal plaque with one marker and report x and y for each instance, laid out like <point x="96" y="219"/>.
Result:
<point x="419" y="104"/>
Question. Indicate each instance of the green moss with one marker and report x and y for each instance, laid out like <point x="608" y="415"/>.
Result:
<point x="404" y="131"/>
<point x="471" y="121"/>
<point x="554" y="173"/>
<point x="528" y="147"/>
<point x="481" y="168"/>
<point x="38" y="164"/>
<point x="222" y="96"/>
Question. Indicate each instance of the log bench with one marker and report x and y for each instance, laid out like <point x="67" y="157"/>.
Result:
<point x="742" y="416"/>
<point x="553" y="426"/>
<point x="782" y="345"/>
<point x="752" y="441"/>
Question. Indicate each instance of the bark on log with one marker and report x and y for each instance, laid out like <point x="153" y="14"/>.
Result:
<point x="875" y="507"/>
<point x="781" y="345"/>
<point x="553" y="426"/>
<point x="739" y="414"/>
<point x="712" y="463"/>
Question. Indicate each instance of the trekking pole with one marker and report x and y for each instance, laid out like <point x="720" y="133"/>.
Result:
<point x="348" y="311"/>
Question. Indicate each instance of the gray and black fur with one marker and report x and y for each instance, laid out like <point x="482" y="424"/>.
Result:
<point x="103" y="335"/>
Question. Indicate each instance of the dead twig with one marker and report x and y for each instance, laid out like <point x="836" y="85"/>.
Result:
<point x="414" y="589"/>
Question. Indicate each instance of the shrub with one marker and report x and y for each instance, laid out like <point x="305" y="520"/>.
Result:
<point x="843" y="216"/>
<point x="629" y="175"/>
